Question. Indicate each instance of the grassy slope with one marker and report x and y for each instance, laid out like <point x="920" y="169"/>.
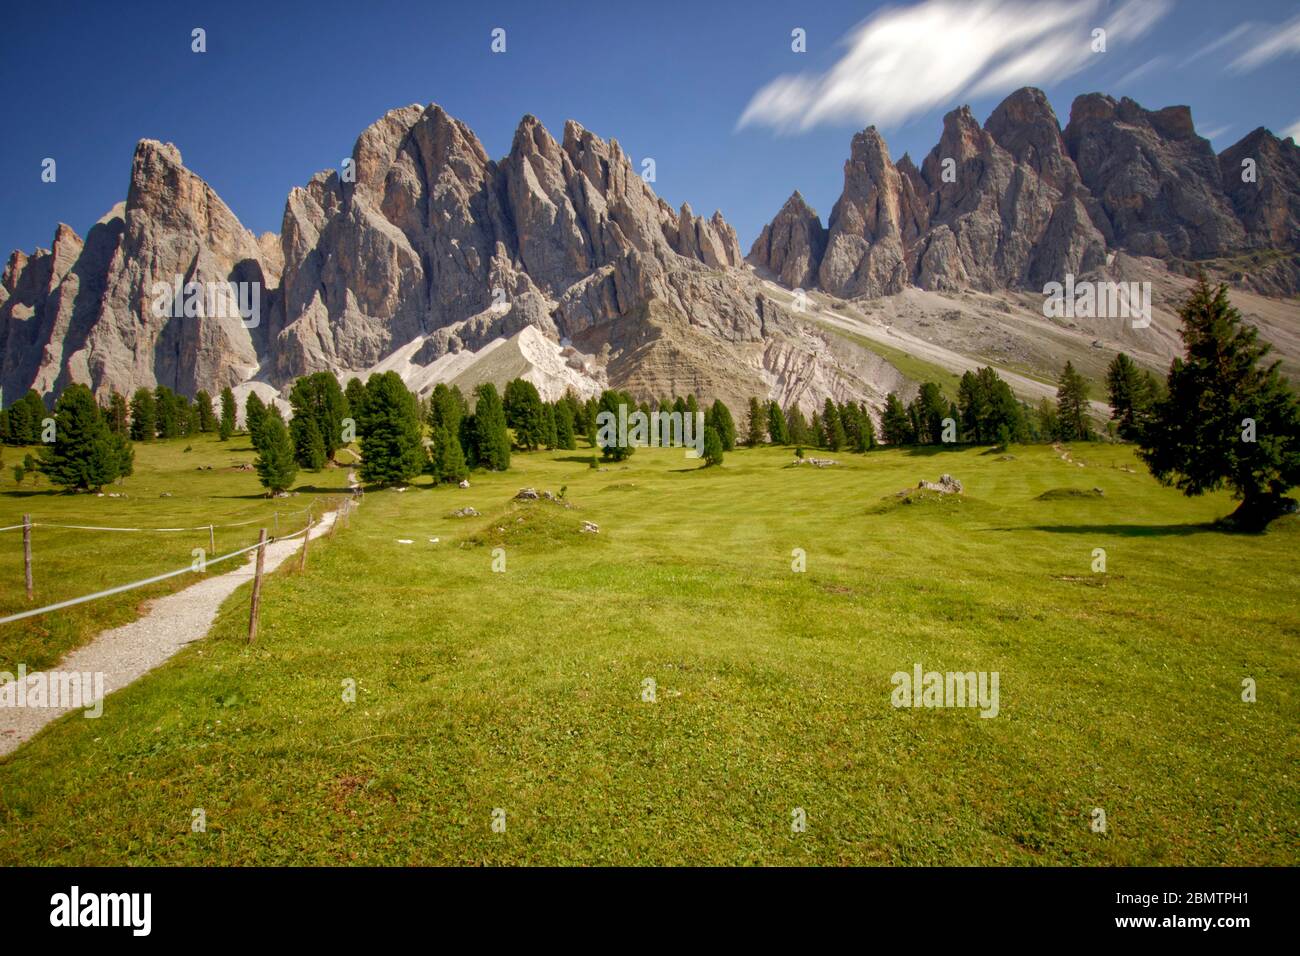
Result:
<point x="521" y="690"/>
<point x="68" y="563"/>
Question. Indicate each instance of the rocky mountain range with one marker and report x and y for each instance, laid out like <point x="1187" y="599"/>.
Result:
<point x="1020" y="202"/>
<point x="559" y="263"/>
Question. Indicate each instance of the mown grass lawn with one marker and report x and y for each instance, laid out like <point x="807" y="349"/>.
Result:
<point x="521" y="690"/>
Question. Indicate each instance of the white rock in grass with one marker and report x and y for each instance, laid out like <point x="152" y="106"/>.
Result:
<point x="405" y="541"/>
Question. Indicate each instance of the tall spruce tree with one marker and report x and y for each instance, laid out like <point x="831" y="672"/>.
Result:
<point x="756" y="424"/>
<point x="1132" y="393"/>
<point x="776" y="430"/>
<point x="144" y="415"/>
<point x="833" y="426"/>
<point x="254" y="415"/>
<point x="275" y="465"/>
<point x="203" y="406"/>
<point x="895" y="425"/>
<point x="229" y="414"/>
<point x="1072" y="406"/>
<point x="392" y="449"/>
<point x="1226" y="419"/>
<point x="84" y="455"/>
<point x="490" y="434"/>
<point x="724" y="424"/>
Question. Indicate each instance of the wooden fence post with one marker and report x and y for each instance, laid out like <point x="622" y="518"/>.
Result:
<point x="306" y="536"/>
<point x="212" y="540"/>
<point x="275" y="528"/>
<point x="27" y="553"/>
<point x="257" y="588"/>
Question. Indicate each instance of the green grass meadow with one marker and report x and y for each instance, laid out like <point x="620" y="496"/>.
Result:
<point x="522" y="690"/>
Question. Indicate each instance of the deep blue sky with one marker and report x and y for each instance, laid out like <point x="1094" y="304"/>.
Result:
<point x="285" y="89"/>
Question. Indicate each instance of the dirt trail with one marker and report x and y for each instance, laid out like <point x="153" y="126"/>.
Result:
<point x="126" y="653"/>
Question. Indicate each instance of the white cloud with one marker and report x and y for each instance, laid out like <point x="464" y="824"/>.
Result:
<point x="1268" y="43"/>
<point x="1293" y="131"/>
<point x="906" y="60"/>
<point x="1155" y="63"/>
<point x="1236" y="33"/>
<point x="1215" y="132"/>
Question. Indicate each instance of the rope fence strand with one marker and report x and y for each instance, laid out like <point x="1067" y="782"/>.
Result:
<point x="188" y="569"/>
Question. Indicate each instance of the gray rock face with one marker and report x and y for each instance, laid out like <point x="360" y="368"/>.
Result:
<point x="420" y="238"/>
<point x="1157" y="184"/>
<point x="1018" y="203"/>
<point x="864" y="249"/>
<point x="791" y="245"/>
<point x="1267" y="197"/>
<point x="86" y="312"/>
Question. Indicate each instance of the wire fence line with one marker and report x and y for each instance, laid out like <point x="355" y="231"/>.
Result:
<point x="189" y="569"/>
<point x="202" y="527"/>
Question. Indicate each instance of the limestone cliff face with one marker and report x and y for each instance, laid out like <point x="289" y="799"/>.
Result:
<point x="791" y="246"/>
<point x="422" y="250"/>
<point x="420" y="244"/>
<point x="87" y="311"/>
<point x="1019" y="202"/>
<point x="1157" y="184"/>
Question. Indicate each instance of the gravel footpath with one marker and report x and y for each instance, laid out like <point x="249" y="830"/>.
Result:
<point x="132" y="650"/>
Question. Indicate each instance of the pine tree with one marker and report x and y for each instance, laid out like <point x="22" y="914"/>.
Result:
<point x="168" y="408"/>
<point x="1072" y="406"/>
<point x="549" y="427"/>
<point x="564" y="426"/>
<point x="275" y="463"/>
<point x="355" y="393"/>
<point x="719" y="416"/>
<point x="756" y="426"/>
<point x="930" y="411"/>
<point x="895" y="426"/>
<point x="144" y="416"/>
<point x="254" y="415"/>
<point x="1132" y="393"/>
<point x="864" y="438"/>
<point x="228" y="414"/>
<point x="712" y="447"/>
<point x="525" y="415"/>
<point x="207" y="418"/>
<point x="607" y="425"/>
<point x="118" y="416"/>
<point x="776" y="430"/>
<point x="308" y="445"/>
<point x="491" y="435"/>
<point x="833" y="425"/>
<point x="84" y="455"/>
<point x="318" y="397"/>
<point x="447" y="462"/>
<point x="1226" y="419"/>
<point x="392" y="450"/>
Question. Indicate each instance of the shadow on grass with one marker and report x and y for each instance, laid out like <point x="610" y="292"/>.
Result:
<point x="1125" y="530"/>
<point x="929" y="451"/>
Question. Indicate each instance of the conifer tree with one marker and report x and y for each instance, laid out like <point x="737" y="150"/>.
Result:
<point x="392" y="450"/>
<point x="229" y="414"/>
<point x="144" y="416"/>
<point x="1072" y="406"/>
<point x="712" y="447"/>
<point x="1226" y="419"/>
<point x="84" y="455"/>
<point x="207" y="419"/>
<point x="1132" y="393"/>
<point x="756" y="426"/>
<point x="491" y="436"/>
<point x="275" y="465"/>
<point x="776" y="430"/>
<point x="724" y="423"/>
<point x="254" y="415"/>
